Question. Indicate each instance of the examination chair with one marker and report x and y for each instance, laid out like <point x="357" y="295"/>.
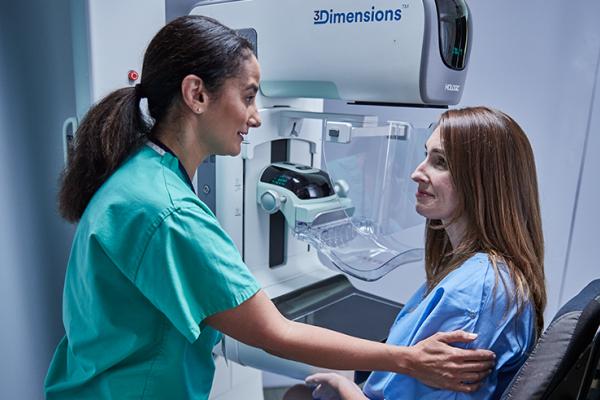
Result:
<point x="564" y="360"/>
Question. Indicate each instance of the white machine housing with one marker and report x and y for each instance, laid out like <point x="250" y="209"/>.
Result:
<point x="273" y="195"/>
<point x="408" y="51"/>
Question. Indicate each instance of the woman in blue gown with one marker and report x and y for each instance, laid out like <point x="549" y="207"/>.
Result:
<point x="477" y="187"/>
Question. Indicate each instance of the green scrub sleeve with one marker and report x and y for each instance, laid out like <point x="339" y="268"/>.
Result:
<point x="191" y="270"/>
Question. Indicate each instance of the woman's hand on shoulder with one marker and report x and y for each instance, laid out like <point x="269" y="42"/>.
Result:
<point x="435" y="363"/>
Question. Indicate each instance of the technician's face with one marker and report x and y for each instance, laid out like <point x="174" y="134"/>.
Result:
<point x="234" y="111"/>
<point x="436" y="194"/>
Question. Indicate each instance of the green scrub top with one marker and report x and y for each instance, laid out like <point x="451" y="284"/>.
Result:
<point x="149" y="263"/>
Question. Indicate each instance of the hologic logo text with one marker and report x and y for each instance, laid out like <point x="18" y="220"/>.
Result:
<point x="452" y="88"/>
<point x="351" y="17"/>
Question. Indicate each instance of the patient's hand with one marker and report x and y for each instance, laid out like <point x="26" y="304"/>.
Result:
<point x="332" y="386"/>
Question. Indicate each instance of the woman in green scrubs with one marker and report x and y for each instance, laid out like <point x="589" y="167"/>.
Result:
<point x="152" y="278"/>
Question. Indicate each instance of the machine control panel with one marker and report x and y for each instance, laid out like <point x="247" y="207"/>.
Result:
<point x="304" y="181"/>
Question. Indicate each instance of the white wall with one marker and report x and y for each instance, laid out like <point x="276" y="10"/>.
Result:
<point x="535" y="60"/>
<point x="581" y="262"/>
<point x="16" y="364"/>
<point x="36" y="94"/>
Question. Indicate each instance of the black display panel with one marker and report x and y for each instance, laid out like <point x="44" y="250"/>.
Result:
<point x="305" y="185"/>
<point x="453" y="17"/>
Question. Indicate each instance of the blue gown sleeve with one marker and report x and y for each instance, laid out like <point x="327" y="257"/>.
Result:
<point x="467" y="299"/>
<point x="191" y="270"/>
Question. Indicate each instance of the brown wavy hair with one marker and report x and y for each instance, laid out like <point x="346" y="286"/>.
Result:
<point x="493" y="170"/>
<point x="115" y="128"/>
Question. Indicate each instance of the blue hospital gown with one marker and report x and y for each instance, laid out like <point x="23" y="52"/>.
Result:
<point x="462" y="300"/>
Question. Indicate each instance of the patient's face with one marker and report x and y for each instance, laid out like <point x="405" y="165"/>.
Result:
<point x="436" y="195"/>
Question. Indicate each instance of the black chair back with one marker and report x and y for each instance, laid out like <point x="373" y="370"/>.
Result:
<point x="562" y="363"/>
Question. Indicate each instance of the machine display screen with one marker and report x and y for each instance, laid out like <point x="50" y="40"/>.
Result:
<point x="453" y="27"/>
<point x="305" y="185"/>
<point x="281" y="180"/>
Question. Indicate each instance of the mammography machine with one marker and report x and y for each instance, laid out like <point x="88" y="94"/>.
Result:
<point x="313" y="195"/>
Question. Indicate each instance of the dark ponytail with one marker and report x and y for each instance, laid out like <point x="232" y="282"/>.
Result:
<point x="115" y="128"/>
<point x="109" y="133"/>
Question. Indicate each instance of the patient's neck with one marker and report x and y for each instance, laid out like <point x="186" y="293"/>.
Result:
<point x="456" y="231"/>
